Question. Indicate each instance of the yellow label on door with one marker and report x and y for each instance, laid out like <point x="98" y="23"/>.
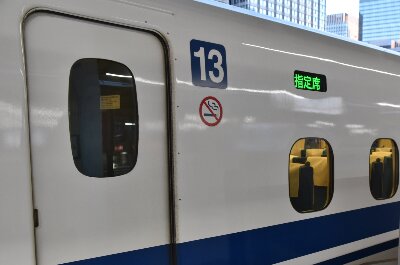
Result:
<point x="110" y="102"/>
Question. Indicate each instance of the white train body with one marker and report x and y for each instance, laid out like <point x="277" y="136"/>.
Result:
<point x="198" y="194"/>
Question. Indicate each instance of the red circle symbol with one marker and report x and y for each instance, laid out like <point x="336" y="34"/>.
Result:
<point x="210" y="111"/>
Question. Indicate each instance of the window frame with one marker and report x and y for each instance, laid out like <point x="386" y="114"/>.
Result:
<point x="396" y="170"/>
<point x="331" y="176"/>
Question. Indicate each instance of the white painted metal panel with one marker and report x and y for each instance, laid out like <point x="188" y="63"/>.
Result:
<point x="83" y="217"/>
<point x="222" y="198"/>
<point x="16" y="233"/>
<point x="237" y="179"/>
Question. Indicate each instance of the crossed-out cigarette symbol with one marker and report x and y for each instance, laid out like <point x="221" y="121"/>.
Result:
<point x="210" y="111"/>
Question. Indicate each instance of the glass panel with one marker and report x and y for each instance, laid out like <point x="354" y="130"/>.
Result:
<point x="383" y="169"/>
<point x="310" y="174"/>
<point x="103" y="118"/>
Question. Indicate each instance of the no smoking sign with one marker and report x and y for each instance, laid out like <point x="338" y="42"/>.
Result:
<point x="210" y="111"/>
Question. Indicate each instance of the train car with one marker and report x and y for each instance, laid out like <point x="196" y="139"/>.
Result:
<point x="187" y="132"/>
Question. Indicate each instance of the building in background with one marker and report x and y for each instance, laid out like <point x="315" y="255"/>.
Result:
<point x="381" y="22"/>
<point x="387" y="44"/>
<point x="360" y="26"/>
<point x="310" y="13"/>
<point x="343" y="24"/>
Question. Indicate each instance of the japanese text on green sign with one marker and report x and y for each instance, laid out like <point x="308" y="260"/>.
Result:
<point x="310" y="81"/>
<point x="307" y="82"/>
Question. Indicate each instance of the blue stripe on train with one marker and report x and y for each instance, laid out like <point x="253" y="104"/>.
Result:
<point x="287" y="241"/>
<point x="362" y="253"/>
<point x="271" y="244"/>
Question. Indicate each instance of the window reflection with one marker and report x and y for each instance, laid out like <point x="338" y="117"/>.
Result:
<point x="103" y="118"/>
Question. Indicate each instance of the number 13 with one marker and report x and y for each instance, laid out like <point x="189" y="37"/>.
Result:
<point x="217" y="65"/>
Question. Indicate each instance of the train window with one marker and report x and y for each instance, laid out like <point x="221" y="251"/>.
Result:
<point x="310" y="174"/>
<point x="103" y="117"/>
<point x="383" y="168"/>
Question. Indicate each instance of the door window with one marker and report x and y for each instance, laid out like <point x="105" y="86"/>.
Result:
<point x="103" y="117"/>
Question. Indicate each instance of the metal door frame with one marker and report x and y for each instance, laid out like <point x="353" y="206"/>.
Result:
<point x="168" y="99"/>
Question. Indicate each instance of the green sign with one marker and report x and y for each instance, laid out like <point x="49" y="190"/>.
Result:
<point x="310" y="81"/>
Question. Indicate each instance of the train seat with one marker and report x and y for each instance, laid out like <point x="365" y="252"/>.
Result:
<point x="376" y="178"/>
<point x="387" y="181"/>
<point x="383" y="149"/>
<point x="314" y="152"/>
<point x="294" y="169"/>
<point x="305" y="198"/>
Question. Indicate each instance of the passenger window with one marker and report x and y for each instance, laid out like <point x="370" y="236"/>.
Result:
<point x="103" y="118"/>
<point x="310" y="175"/>
<point x="383" y="169"/>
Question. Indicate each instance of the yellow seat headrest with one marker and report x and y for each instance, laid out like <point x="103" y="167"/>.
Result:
<point x="314" y="152"/>
<point x="383" y="149"/>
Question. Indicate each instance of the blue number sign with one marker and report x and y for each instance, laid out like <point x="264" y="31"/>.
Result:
<point x="208" y="64"/>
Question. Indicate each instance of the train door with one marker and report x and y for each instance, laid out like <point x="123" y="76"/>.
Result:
<point x="97" y="117"/>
